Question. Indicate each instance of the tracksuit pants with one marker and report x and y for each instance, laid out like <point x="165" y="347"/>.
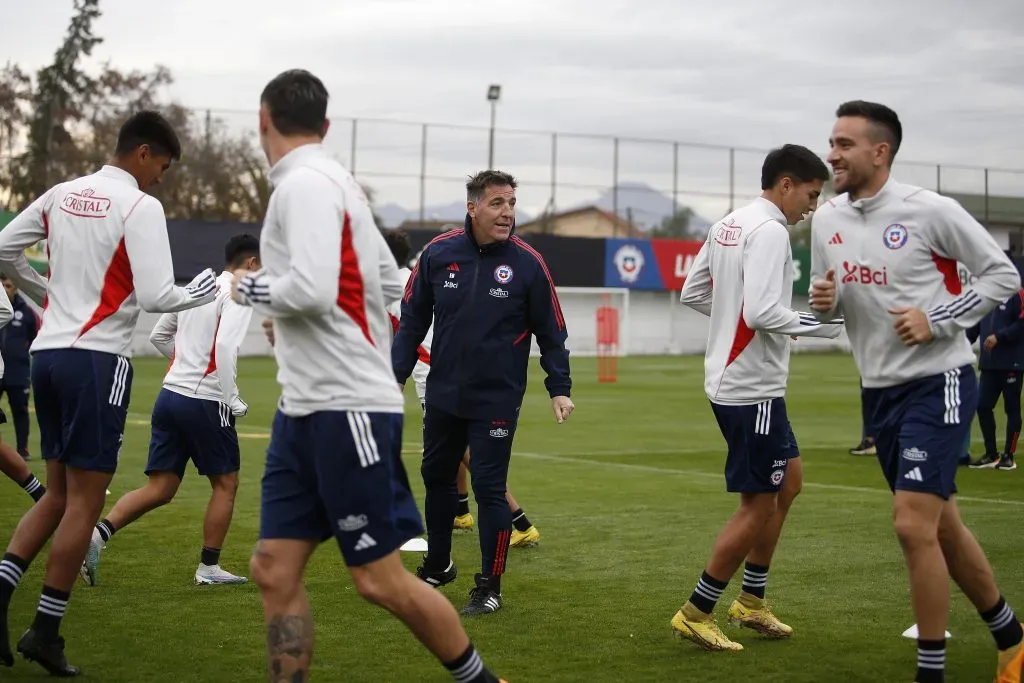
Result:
<point x="445" y="438"/>
<point x="992" y="385"/>
<point x="17" y="394"/>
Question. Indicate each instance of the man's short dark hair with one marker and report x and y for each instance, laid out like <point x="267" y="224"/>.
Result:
<point x="398" y="242"/>
<point x="148" y="128"/>
<point x="477" y="186"/>
<point x="239" y="248"/>
<point x="297" y="103"/>
<point x="885" y="123"/>
<point x="795" y="161"/>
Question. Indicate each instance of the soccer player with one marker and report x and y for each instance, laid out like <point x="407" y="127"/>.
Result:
<point x="194" y="418"/>
<point x="334" y="464"/>
<point x="885" y="255"/>
<point x="16" y="338"/>
<point x="486" y="292"/>
<point x="109" y="257"/>
<point x="524" y="534"/>
<point x="742" y="279"/>
<point x="12" y="463"/>
<point x="1002" y="371"/>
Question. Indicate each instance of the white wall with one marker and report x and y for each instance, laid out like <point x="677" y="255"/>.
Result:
<point x="653" y="323"/>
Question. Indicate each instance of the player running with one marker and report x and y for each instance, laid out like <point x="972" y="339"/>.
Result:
<point x="109" y="256"/>
<point x="334" y="466"/>
<point x="743" y="279"/>
<point x="884" y="255"/>
<point x="194" y="418"/>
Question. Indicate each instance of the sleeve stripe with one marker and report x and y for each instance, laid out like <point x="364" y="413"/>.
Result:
<point x="416" y="268"/>
<point x="559" y="318"/>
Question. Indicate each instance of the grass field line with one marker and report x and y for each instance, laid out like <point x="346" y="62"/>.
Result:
<point x="700" y="474"/>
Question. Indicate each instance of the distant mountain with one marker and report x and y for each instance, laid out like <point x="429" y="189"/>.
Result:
<point x="392" y="214"/>
<point x="648" y="207"/>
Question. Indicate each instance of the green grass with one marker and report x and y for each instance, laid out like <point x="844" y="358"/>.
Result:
<point x="628" y="497"/>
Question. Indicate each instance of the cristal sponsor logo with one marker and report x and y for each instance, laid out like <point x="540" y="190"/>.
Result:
<point x="914" y="454"/>
<point x="85" y="204"/>
<point x="499" y="433"/>
<point x="854" y="273"/>
<point x="353" y="523"/>
<point x="499" y="293"/>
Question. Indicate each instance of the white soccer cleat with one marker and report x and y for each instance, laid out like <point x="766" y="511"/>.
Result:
<point x="209" y="576"/>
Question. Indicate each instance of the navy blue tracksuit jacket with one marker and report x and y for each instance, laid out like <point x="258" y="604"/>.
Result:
<point x="1006" y="321"/>
<point x="15" y="339"/>
<point x="485" y="303"/>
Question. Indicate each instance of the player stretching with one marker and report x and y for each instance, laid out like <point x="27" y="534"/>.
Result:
<point x="109" y="256"/>
<point x="885" y="255"/>
<point x="194" y="418"/>
<point x="743" y="279"/>
<point x="486" y="292"/>
<point x="334" y="463"/>
<point x="524" y="534"/>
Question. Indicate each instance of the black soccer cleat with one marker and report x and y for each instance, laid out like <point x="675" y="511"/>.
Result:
<point x="483" y="598"/>
<point x="47" y="653"/>
<point x="435" y="577"/>
<point x="1006" y="462"/>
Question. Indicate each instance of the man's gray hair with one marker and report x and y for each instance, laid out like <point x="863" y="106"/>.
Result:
<point x="477" y="186"/>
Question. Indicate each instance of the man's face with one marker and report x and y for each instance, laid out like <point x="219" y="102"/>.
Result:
<point x="799" y="199"/>
<point x="10" y="288"/>
<point x="854" y="156"/>
<point x="494" y="215"/>
<point x="150" y="167"/>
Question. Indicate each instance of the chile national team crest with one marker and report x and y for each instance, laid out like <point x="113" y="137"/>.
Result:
<point x="895" y="236"/>
<point x="503" y="274"/>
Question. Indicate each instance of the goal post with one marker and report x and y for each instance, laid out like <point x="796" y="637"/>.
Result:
<point x="597" y="319"/>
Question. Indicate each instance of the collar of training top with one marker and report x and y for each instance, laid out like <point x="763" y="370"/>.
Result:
<point x="486" y="247"/>
<point x="294" y="158"/>
<point x="774" y="211"/>
<point x="868" y="203"/>
<point x="119" y="174"/>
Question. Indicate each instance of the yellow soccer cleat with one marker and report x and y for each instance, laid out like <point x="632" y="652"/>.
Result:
<point x="705" y="633"/>
<point x="464" y="522"/>
<point x="524" y="539"/>
<point x="759" y="619"/>
<point x="1011" y="665"/>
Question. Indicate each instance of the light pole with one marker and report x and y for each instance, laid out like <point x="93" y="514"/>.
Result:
<point x="493" y="95"/>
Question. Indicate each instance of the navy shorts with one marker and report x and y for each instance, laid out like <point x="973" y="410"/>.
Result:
<point x="339" y="473"/>
<point x="81" y="400"/>
<point x="761" y="444"/>
<point x="187" y="428"/>
<point x="920" y="429"/>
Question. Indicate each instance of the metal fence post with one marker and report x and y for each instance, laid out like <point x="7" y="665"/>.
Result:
<point x="732" y="178"/>
<point x="675" y="178"/>
<point x="938" y="178"/>
<point x="986" y="195"/>
<point x="615" y="185"/>
<point x="352" y="151"/>
<point x="423" y="174"/>
<point x="554" y="170"/>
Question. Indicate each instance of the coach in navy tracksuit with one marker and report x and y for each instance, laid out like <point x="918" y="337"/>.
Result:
<point x="1001" y="364"/>
<point x="487" y="292"/>
<point x="15" y="339"/>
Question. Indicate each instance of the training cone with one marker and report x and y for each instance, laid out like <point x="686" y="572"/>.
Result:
<point x="912" y="633"/>
<point x="415" y="545"/>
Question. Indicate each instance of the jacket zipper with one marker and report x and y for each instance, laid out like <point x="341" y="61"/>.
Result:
<point x="468" y="313"/>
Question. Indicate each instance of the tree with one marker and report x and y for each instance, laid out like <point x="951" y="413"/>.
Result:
<point x="15" y="94"/>
<point x="676" y="226"/>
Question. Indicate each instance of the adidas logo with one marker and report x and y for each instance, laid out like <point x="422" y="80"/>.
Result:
<point x="365" y="542"/>
<point x="912" y="475"/>
<point x="453" y="267"/>
<point x="836" y="239"/>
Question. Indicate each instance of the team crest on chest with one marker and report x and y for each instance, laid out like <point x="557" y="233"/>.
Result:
<point x="895" y="236"/>
<point x="503" y="274"/>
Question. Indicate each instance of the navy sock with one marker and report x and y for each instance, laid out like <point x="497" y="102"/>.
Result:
<point x="33" y="487"/>
<point x="520" y="521"/>
<point x="469" y="668"/>
<point x="12" y="568"/>
<point x="52" y="605"/>
<point x="1003" y="623"/>
<point x="931" y="661"/>
<point x="106" y="529"/>
<point x="210" y="556"/>
<point x="755" y="580"/>
<point x="463" y="504"/>
<point x="707" y="593"/>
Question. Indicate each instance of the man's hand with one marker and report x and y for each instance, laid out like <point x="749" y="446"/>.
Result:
<point x="912" y="325"/>
<point x="990" y="342"/>
<point x="238" y="407"/>
<point x="823" y="292"/>
<point x="237" y="276"/>
<point x="268" y="324"/>
<point x="562" y="407"/>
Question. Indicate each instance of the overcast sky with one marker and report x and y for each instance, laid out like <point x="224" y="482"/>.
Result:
<point x="751" y="73"/>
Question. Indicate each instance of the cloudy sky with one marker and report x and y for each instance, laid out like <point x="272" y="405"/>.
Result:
<point x="746" y="73"/>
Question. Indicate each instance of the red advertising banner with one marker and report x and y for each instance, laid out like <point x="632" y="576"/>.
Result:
<point x="674" y="258"/>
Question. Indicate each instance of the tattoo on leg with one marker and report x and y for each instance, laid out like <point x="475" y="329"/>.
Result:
<point x="290" y="647"/>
